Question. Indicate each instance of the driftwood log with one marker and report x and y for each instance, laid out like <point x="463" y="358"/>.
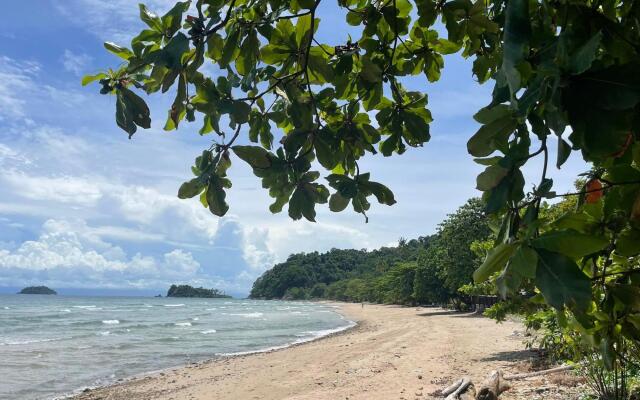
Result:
<point x="492" y="387"/>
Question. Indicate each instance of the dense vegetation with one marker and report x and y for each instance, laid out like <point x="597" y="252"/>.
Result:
<point x="563" y="71"/>
<point x="190" y="291"/>
<point x="37" y="290"/>
<point x="426" y="270"/>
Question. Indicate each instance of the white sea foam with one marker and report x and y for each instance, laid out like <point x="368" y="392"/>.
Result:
<point x="111" y="321"/>
<point x="174" y="305"/>
<point x="248" y="315"/>
<point x="182" y="324"/>
<point x="195" y="318"/>
<point x="17" y="342"/>
<point x="84" y="307"/>
<point x="65" y="310"/>
<point x="7" y="308"/>
<point x="211" y="309"/>
<point x="208" y="331"/>
<point x="104" y="333"/>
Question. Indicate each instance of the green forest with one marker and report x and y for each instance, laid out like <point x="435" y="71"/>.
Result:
<point x="427" y="270"/>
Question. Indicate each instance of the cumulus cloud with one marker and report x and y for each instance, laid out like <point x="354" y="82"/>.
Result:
<point x="67" y="249"/>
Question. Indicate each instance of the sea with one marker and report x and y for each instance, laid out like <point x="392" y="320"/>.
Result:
<point x="54" y="346"/>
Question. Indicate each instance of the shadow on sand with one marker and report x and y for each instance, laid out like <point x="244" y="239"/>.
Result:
<point x="453" y="313"/>
<point x="512" y="356"/>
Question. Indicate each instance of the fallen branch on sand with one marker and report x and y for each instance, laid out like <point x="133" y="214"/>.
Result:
<point x="495" y="384"/>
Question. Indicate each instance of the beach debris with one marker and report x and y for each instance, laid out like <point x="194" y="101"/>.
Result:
<point x="493" y="386"/>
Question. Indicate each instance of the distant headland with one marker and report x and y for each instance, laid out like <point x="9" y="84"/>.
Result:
<point x="190" y="291"/>
<point x="37" y="290"/>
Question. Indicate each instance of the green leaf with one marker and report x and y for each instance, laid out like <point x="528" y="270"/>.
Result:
<point x="490" y="177"/>
<point x="171" y="55"/>
<point x="87" y="79"/>
<point x="249" y="52"/>
<point x="303" y="31"/>
<point x="230" y="50"/>
<point x="628" y="244"/>
<point x="490" y="137"/>
<point x="382" y="193"/>
<point x="255" y="156"/>
<point x="582" y="59"/>
<point x="371" y="72"/>
<point x="561" y="281"/>
<point x="338" y="203"/>
<point x="524" y="261"/>
<point x="496" y="260"/>
<point x="216" y="195"/>
<point x="124" y="117"/>
<point x="131" y="110"/>
<point x="564" y="151"/>
<point x="570" y="243"/>
<point x="172" y="20"/>
<point x="119" y="51"/>
<point x="191" y="188"/>
<point x="150" y="18"/>
<point x="517" y="30"/>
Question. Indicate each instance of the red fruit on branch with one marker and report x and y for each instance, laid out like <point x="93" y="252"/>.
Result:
<point x="594" y="191"/>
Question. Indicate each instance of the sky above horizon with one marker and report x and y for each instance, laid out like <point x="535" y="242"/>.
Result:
<point x="83" y="206"/>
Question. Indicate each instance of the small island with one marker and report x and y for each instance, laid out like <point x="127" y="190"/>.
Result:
<point x="190" y="291"/>
<point x="37" y="290"/>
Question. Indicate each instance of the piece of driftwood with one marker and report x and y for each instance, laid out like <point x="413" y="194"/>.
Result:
<point x="492" y="387"/>
<point x="540" y="373"/>
<point x="450" y="389"/>
<point x="469" y="393"/>
<point x="495" y="384"/>
<point x="464" y="384"/>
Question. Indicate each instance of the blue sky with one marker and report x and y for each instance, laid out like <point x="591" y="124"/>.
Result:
<point x="82" y="206"/>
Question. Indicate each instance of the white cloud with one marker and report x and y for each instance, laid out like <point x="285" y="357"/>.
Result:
<point x="64" y="189"/>
<point x="113" y="20"/>
<point x="24" y="95"/>
<point x="76" y="63"/>
<point x="71" y="249"/>
<point x="15" y="79"/>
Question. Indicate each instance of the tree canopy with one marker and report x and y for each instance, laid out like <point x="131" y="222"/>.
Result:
<point x="563" y="70"/>
<point x="426" y="270"/>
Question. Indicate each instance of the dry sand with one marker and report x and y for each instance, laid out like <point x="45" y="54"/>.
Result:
<point x="393" y="353"/>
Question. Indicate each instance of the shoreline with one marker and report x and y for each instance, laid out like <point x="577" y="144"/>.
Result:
<point x="351" y="325"/>
<point x="391" y="352"/>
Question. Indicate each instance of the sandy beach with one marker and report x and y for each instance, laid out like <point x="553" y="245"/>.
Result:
<point x="393" y="353"/>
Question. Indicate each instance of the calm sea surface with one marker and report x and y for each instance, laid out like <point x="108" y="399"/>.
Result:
<point x="54" y="345"/>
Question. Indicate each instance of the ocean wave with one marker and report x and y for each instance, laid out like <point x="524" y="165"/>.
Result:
<point x="111" y="321"/>
<point x="309" y="336"/>
<point x="182" y="324"/>
<point x="65" y="310"/>
<point x="27" y="341"/>
<point x="88" y="308"/>
<point x="195" y="318"/>
<point x="211" y="309"/>
<point x="174" y="305"/>
<point x="247" y="315"/>
<point x="104" y="333"/>
<point x="7" y="308"/>
<point x="208" y="331"/>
